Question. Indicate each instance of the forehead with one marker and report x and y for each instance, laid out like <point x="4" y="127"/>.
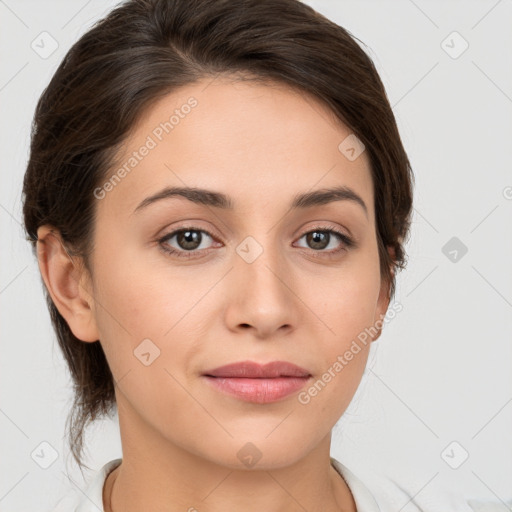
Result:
<point x="260" y="143"/>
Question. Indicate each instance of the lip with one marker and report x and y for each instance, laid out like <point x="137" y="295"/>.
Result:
<point x="253" y="382"/>
<point x="252" y="370"/>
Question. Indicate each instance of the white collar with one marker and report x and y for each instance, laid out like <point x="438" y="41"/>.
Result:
<point x="365" y="502"/>
<point x="92" y="499"/>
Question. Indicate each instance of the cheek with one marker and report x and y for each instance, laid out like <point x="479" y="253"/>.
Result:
<point x="348" y="309"/>
<point x="346" y="304"/>
<point x="145" y="303"/>
<point x="126" y="303"/>
<point x="346" y="298"/>
<point x="126" y="284"/>
<point x="140" y="297"/>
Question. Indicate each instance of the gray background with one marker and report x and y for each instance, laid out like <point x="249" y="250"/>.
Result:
<point x="441" y="371"/>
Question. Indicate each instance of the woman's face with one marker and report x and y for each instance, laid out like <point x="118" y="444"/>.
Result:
<point x="261" y="280"/>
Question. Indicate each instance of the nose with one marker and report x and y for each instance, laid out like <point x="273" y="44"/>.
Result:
<point x="263" y="298"/>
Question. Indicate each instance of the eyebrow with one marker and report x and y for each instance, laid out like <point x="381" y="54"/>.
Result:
<point x="219" y="200"/>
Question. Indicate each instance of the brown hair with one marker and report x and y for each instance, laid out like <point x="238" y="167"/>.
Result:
<point x="144" y="49"/>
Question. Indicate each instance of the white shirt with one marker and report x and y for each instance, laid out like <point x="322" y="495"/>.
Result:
<point x="91" y="500"/>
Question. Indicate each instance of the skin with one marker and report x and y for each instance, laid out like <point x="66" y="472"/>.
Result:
<point x="260" y="144"/>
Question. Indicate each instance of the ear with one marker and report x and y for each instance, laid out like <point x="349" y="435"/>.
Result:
<point x="383" y="300"/>
<point x="66" y="284"/>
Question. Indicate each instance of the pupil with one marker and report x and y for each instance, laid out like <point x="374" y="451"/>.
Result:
<point x="317" y="239"/>
<point x="189" y="239"/>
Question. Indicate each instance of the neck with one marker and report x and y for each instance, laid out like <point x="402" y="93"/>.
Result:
<point x="287" y="498"/>
<point x="159" y="475"/>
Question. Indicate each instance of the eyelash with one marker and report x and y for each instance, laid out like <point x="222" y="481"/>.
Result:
<point x="348" y="243"/>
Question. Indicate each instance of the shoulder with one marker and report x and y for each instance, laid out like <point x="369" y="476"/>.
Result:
<point x="91" y="498"/>
<point x="363" y="498"/>
<point x="391" y="495"/>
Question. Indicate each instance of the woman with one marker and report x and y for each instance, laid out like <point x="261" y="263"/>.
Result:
<point x="219" y="200"/>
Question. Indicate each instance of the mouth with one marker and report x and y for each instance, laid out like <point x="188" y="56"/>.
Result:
<point x="252" y="382"/>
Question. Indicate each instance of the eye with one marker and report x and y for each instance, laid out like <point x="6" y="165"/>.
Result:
<point x="322" y="237"/>
<point x="189" y="241"/>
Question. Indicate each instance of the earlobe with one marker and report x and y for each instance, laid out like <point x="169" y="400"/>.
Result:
<point x="62" y="278"/>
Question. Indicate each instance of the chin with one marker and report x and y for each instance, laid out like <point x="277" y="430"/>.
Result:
<point x="258" y="452"/>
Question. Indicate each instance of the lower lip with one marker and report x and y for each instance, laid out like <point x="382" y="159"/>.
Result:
<point x="261" y="391"/>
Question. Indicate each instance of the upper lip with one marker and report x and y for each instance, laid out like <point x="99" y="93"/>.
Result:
<point x="250" y="369"/>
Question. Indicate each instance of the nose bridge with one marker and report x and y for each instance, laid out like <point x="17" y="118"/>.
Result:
<point x="262" y="260"/>
<point x="263" y="298"/>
